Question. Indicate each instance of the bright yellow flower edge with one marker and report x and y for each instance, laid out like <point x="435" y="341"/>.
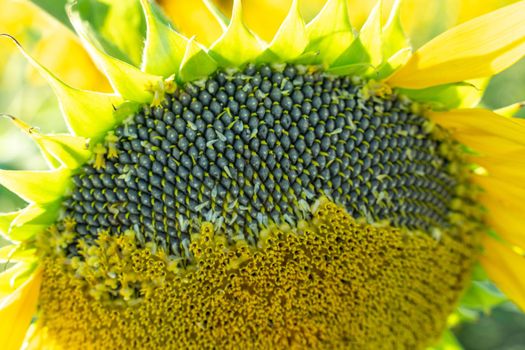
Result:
<point x="476" y="49"/>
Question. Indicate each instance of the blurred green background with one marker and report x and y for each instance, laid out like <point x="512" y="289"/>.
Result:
<point x="24" y="95"/>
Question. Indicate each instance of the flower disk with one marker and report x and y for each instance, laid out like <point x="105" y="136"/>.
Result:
<point x="220" y="215"/>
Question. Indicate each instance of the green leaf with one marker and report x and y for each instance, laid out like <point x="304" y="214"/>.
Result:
<point x="463" y="314"/>
<point x="130" y="82"/>
<point x="164" y="48"/>
<point x="448" y="342"/>
<point x="449" y="96"/>
<point x="39" y="186"/>
<point x="196" y="63"/>
<point x="482" y="296"/>
<point x="55" y="8"/>
<point x="238" y="44"/>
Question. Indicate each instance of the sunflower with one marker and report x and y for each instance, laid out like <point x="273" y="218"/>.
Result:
<point x="325" y="189"/>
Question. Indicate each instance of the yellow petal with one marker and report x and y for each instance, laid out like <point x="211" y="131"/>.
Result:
<point x="265" y="17"/>
<point x="469" y="9"/>
<point x="505" y="268"/>
<point x="483" y="123"/>
<point x="17" y="310"/>
<point x="508" y="167"/>
<point x="16" y="253"/>
<point x="479" y="48"/>
<point x="506" y="220"/>
<point x="73" y="64"/>
<point x="487" y="144"/>
<point x="193" y="18"/>
<point x="508" y="194"/>
<point x="505" y="204"/>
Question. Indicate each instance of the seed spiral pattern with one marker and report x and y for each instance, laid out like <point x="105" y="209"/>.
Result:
<point x="255" y="147"/>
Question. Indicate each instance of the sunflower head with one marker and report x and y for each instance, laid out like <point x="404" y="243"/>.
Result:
<point x="317" y="190"/>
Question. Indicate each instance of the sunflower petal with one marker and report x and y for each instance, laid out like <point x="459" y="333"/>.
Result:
<point x="223" y="21"/>
<point x="16" y="311"/>
<point x="78" y="105"/>
<point x="36" y="186"/>
<point x="506" y="220"/>
<point x="505" y="205"/>
<point x="130" y="82"/>
<point x="508" y="167"/>
<point x="505" y="268"/>
<point x="502" y="191"/>
<point x="33" y="219"/>
<point x="479" y="48"/>
<point x="196" y="63"/>
<point x="485" y="144"/>
<point x="5" y="222"/>
<point x="164" y="48"/>
<point x="193" y="18"/>
<point x="15" y="253"/>
<point x="329" y="34"/>
<point x="237" y="45"/>
<point x="482" y="122"/>
<point x="291" y="39"/>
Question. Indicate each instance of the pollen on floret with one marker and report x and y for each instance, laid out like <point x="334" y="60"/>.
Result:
<point x="332" y="282"/>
